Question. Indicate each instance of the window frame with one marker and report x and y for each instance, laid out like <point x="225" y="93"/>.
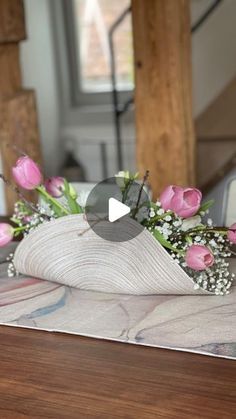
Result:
<point x="79" y="98"/>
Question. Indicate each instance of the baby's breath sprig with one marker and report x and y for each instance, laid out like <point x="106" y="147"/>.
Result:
<point x="178" y="235"/>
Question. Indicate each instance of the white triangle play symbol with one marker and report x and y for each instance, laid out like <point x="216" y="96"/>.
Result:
<point x="116" y="210"/>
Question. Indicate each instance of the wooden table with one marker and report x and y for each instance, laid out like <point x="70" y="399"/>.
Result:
<point x="50" y="375"/>
<point x="54" y="375"/>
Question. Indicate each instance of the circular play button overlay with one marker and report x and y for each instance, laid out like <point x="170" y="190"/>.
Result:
<point x="116" y="207"/>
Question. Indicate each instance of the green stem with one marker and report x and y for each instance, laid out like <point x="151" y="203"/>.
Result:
<point x="126" y="190"/>
<point x="160" y="217"/>
<point x="166" y="243"/>
<point x="220" y="230"/>
<point x="71" y="199"/>
<point x="48" y="198"/>
<point x="136" y="209"/>
<point x="189" y="239"/>
<point x="17" y="229"/>
<point x="15" y="221"/>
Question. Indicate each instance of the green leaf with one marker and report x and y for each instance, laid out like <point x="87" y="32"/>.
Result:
<point x="165" y="242"/>
<point x="15" y="221"/>
<point x="153" y="205"/>
<point x="208" y="204"/>
<point x="59" y="210"/>
<point x="17" y="233"/>
<point x="156" y="218"/>
<point x="189" y="240"/>
<point x="71" y="200"/>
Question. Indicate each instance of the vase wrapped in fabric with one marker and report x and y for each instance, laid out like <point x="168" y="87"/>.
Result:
<point x="68" y="251"/>
<point x="175" y="252"/>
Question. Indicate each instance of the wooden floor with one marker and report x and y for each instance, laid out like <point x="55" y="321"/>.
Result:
<point x="49" y="375"/>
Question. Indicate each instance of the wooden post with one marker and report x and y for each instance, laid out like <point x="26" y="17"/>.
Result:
<point x="18" y="118"/>
<point x="163" y="99"/>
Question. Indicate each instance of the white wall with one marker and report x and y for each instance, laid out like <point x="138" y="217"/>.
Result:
<point x="39" y="72"/>
<point x="213" y="54"/>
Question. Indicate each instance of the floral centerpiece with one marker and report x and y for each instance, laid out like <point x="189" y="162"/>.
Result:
<point x="178" y="221"/>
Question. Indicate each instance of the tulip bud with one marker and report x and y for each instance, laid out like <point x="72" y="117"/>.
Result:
<point x="6" y="234"/>
<point x="72" y="192"/>
<point x="167" y="196"/>
<point x="26" y="173"/>
<point x="122" y="178"/>
<point x="199" y="257"/>
<point x="55" y="186"/>
<point x="232" y="234"/>
<point x="185" y="202"/>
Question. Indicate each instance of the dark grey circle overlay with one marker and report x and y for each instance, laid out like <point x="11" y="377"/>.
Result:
<point x="97" y="206"/>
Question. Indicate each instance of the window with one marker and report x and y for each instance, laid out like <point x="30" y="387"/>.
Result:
<point x="89" y="48"/>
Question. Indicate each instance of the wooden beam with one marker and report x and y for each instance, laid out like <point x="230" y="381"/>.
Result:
<point x="10" y="74"/>
<point x="163" y="98"/>
<point x="19" y="130"/>
<point x="18" y="118"/>
<point x="12" y="22"/>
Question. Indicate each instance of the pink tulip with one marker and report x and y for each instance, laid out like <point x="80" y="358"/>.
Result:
<point x="199" y="257"/>
<point x="167" y="196"/>
<point x="232" y="234"/>
<point x="26" y="173"/>
<point x="185" y="202"/>
<point x="6" y="234"/>
<point x="54" y="186"/>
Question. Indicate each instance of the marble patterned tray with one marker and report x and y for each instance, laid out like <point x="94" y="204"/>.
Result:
<point x="201" y="324"/>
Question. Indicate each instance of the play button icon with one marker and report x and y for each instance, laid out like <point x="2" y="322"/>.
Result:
<point x="112" y="212"/>
<point x="117" y="210"/>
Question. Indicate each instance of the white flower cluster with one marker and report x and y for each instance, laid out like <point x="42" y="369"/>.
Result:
<point x="166" y="223"/>
<point x="11" y="271"/>
<point x="23" y="217"/>
<point x="29" y="221"/>
<point x="181" y="234"/>
<point x="217" y="278"/>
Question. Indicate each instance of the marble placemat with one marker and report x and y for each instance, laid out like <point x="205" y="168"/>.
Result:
<point x="201" y="324"/>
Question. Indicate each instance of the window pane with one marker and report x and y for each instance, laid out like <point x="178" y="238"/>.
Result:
<point x="93" y="19"/>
